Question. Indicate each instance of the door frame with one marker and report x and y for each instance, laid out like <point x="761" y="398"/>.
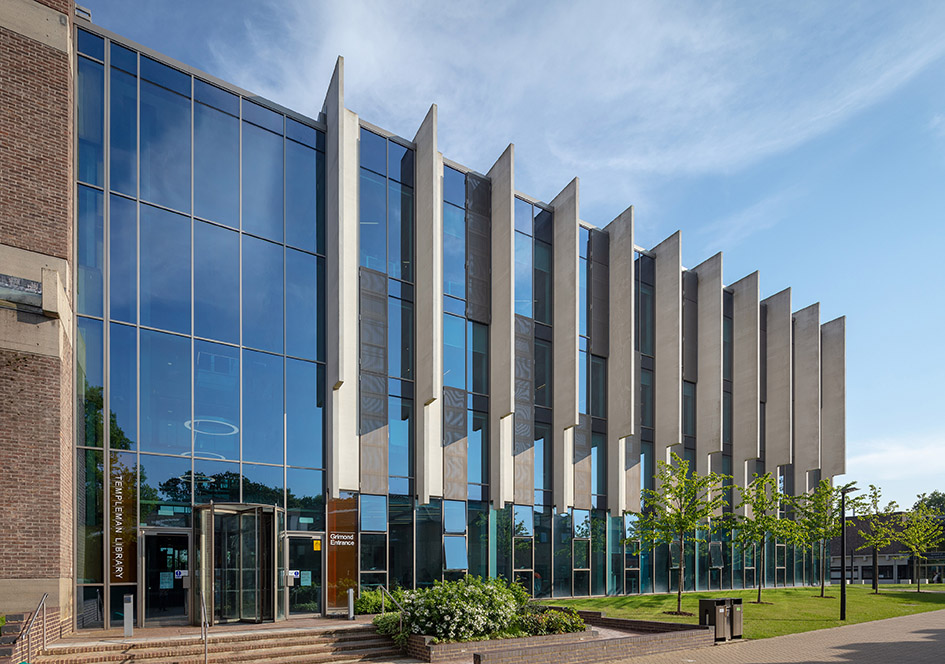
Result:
<point x="143" y="534"/>
<point x="323" y="554"/>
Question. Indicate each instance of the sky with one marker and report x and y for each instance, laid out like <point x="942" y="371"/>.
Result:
<point x="805" y="140"/>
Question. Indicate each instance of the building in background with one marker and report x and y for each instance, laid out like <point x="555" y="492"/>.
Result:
<point x="253" y="358"/>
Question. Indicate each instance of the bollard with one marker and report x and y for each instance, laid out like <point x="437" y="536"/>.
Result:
<point x="350" y="603"/>
<point x="129" y="615"/>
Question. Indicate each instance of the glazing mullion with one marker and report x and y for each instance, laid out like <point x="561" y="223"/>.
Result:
<point x="106" y="331"/>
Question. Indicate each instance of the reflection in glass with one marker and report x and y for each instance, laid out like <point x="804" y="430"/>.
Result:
<point x="123" y="388"/>
<point x="478" y="344"/>
<point x="598" y="464"/>
<point x="543" y="281"/>
<point x="165" y="392"/>
<point x="305" y="499"/>
<point x="429" y="529"/>
<point x="454" y="187"/>
<point x="598" y="386"/>
<point x="542" y="457"/>
<point x="562" y="555"/>
<point x="582" y="378"/>
<point x="400" y="541"/>
<point x="90" y="122"/>
<point x="302" y="305"/>
<point x="582" y="523"/>
<point x="477" y="464"/>
<point x="218" y="481"/>
<point x="90" y="607"/>
<point x="582" y="299"/>
<point x="454" y="352"/>
<point x="89" y="505"/>
<point x="400" y="338"/>
<point x="165" y="147"/>
<point x="647" y="322"/>
<point x="373" y="513"/>
<point x="454" y="516"/>
<point x="90" y="251"/>
<point x="216" y="166"/>
<point x="400" y="163"/>
<point x="262" y="484"/>
<point x="165" y="491"/>
<point x="454" y="551"/>
<point x="304" y="413"/>
<point x="123" y="259"/>
<point x="542" y="373"/>
<point x="646" y="398"/>
<point x="522" y="554"/>
<point x="523" y="217"/>
<point x="524" y="524"/>
<point x="400" y="231"/>
<point x="301" y="193"/>
<point x="262" y="295"/>
<point x="543" y="559"/>
<point x="373" y="552"/>
<point x="262" y="407"/>
<point x="216" y="282"/>
<point x="165" y="270"/>
<point x="216" y="401"/>
<point x="373" y="221"/>
<point x="90" y="44"/>
<point x="582" y="554"/>
<point x="373" y="152"/>
<point x="689" y="408"/>
<point x="90" y="381"/>
<point x="262" y="182"/>
<point x="400" y="430"/>
<point x="123" y="131"/>
<point x="523" y="275"/>
<point x="454" y="251"/>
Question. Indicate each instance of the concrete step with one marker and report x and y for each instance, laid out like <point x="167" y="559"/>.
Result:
<point x="275" y="655"/>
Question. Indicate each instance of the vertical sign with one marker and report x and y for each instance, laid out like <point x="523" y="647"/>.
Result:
<point x="123" y="518"/>
<point x="342" y="550"/>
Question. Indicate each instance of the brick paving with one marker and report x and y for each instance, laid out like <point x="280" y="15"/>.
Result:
<point x="915" y="639"/>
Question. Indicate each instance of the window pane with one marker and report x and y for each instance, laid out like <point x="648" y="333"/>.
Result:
<point x="123" y="388"/>
<point x="165" y="147"/>
<point x="477" y="465"/>
<point x="90" y="122"/>
<point x="646" y="319"/>
<point x="304" y="134"/>
<point x="216" y="166"/>
<point x="305" y="404"/>
<point x="211" y="95"/>
<point x="373" y="152"/>
<point x="90" y="607"/>
<point x="454" y="251"/>
<point x="582" y="523"/>
<point x="262" y="182"/>
<point x="216" y="283"/>
<point x="90" y="251"/>
<point x="454" y="550"/>
<point x="522" y="556"/>
<point x="524" y="521"/>
<point x="263" y="117"/>
<point x="598" y="464"/>
<point x="123" y="132"/>
<point x="400" y="541"/>
<point x="123" y="259"/>
<point x="562" y="555"/>
<point x="400" y="430"/>
<point x="262" y="407"/>
<point x="429" y="558"/>
<point x="165" y="270"/>
<point x="689" y="409"/>
<point x="90" y="44"/>
<point x="646" y="398"/>
<point x="400" y="338"/>
<point x="523" y="275"/>
<point x="124" y="58"/>
<point x="582" y="554"/>
<point x="300" y="196"/>
<point x="523" y="216"/>
<point x="374" y="553"/>
<point x="582" y="292"/>
<point x="90" y="381"/>
<point x="454" y="187"/>
<point x="216" y="401"/>
<point x="598" y="386"/>
<point x="320" y="184"/>
<point x="218" y="481"/>
<point x="454" y="352"/>
<point x="400" y="232"/>
<point x="373" y="224"/>
<point x="373" y="513"/>
<point x="168" y="77"/>
<point x="727" y="418"/>
<point x="542" y="457"/>
<point x="542" y="373"/>
<point x="263" y="484"/>
<point x="89" y="505"/>
<point x="305" y="499"/>
<point x="302" y="305"/>
<point x="165" y="491"/>
<point x="543" y="281"/>
<point x="165" y="392"/>
<point x="400" y="163"/>
<point x="262" y="294"/>
<point x="454" y="516"/>
<point x="582" y="381"/>
<point x="478" y="358"/>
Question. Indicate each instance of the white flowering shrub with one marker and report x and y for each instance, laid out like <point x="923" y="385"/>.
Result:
<point x="463" y="610"/>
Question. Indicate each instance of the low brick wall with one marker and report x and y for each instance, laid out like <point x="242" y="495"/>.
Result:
<point x="14" y="639"/>
<point x="420" y="647"/>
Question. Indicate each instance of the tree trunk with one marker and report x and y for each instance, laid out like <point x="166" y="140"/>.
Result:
<point x="875" y="570"/>
<point x="823" y="579"/>
<point x="682" y="566"/>
<point x="915" y="570"/>
<point x="761" y="575"/>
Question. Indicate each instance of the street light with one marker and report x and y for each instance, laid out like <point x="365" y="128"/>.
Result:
<point x="843" y="547"/>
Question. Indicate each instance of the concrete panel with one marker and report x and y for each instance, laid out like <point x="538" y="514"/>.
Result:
<point x="341" y="212"/>
<point x="523" y="449"/>
<point x="833" y="437"/>
<point x="779" y="417"/>
<point x="429" y="310"/>
<point x="455" y="444"/>
<point x="668" y="374"/>
<point x="806" y="395"/>
<point x="621" y="368"/>
<point x="502" y="330"/>
<point x="709" y="344"/>
<point x="746" y="375"/>
<point x="565" y="341"/>
<point x="38" y="22"/>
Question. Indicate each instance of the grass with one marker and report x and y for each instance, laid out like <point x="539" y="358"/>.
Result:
<point x="789" y="611"/>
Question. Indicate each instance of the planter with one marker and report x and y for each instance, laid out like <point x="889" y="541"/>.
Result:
<point x="420" y="646"/>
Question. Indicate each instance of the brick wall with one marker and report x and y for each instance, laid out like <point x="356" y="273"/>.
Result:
<point x="420" y="647"/>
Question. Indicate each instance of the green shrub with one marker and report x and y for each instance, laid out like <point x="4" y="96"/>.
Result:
<point x="368" y="601"/>
<point x="551" y="621"/>
<point x="389" y="624"/>
<point x="461" y="610"/>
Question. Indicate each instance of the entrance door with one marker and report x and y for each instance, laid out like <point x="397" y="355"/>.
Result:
<point x="305" y="556"/>
<point x="166" y="580"/>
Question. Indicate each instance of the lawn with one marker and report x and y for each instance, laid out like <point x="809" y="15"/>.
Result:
<point x="791" y="610"/>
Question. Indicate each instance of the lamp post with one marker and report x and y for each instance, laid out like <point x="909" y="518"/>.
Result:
<point x="843" y="548"/>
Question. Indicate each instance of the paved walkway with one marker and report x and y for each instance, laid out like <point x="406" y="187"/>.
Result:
<point x="915" y="639"/>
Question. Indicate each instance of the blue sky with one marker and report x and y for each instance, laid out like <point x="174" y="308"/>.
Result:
<point x="806" y="140"/>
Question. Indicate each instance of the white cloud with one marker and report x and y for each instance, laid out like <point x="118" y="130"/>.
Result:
<point x="937" y="125"/>
<point x="902" y="467"/>
<point x="624" y="95"/>
<point x="729" y="232"/>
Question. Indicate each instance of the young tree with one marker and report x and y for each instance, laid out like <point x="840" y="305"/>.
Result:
<point x="935" y="500"/>
<point x="920" y="532"/>
<point x="679" y="511"/>
<point x="878" y="528"/>
<point x="761" y="503"/>
<point x="819" y="520"/>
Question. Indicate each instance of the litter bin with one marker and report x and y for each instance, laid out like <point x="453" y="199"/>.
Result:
<point x="735" y="616"/>
<point x="714" y="612"/>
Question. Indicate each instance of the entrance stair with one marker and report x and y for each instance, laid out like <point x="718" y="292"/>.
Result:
<point x="337" y="645"/>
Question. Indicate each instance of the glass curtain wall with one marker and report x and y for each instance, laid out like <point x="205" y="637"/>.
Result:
<point x="200" y="351"/>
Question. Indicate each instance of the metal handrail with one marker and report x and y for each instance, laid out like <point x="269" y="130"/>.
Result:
<point x="384" y="592"/>
<point x="29" y="627"/>
<point x="204" y="625"/>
